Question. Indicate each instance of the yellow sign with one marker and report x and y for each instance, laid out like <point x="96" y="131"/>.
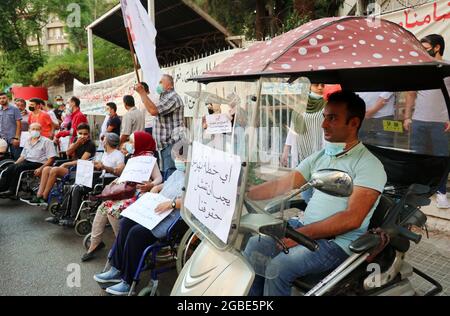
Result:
<point x="393" y="126"/>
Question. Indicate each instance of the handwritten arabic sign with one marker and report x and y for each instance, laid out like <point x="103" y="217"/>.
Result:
<point x="85" y="173"/>
<point x="430" y="18"/>
<point x="143" y="210"/>
<point x="218" y="124"/>
<point x="392" y="126"/>
<point x="138" y="169"/>
<point x="212" y="188"/>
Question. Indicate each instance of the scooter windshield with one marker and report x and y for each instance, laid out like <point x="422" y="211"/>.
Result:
<point x="238" y="132"/>
<point x="414" y="122"/>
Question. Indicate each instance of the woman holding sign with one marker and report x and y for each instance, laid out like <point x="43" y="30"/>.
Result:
<point x="134" y="238"/>
<point x="140" y="144"/>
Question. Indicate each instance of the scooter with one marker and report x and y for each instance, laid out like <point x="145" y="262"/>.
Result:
<point x="212" y="272"/>
<point x="269" y="93"/>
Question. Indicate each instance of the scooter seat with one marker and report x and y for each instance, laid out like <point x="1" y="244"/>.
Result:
<point x="365" y="243"/>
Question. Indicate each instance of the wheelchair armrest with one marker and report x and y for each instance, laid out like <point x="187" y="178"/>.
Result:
<point x="59" y="163"/>
<point x="365" y="243"/>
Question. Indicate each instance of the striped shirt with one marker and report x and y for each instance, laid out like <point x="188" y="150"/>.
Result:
<point x="312" y="141"/>
<point x="170" y="119"/>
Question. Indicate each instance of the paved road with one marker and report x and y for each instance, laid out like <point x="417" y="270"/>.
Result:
<point x="34" y="256"/>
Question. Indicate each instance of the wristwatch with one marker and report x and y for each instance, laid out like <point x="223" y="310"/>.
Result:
<point x="174" y="204"/>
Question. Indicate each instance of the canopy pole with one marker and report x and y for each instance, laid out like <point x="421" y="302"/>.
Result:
<point x="151" y="10"/>
<point x="91" y="56"/>
<point x="133" y="56"/>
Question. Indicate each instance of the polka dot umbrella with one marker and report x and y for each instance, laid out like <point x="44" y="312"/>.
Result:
<point x="357" y="52"/>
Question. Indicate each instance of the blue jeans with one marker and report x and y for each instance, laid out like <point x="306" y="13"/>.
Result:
<point x="280" y="270"/>
<point x="429" y="138"/>
<point x="307" y="195"/>
<point x="167" y="162"/>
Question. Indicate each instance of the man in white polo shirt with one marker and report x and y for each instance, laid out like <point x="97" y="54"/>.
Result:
<point x="38" y="153"/>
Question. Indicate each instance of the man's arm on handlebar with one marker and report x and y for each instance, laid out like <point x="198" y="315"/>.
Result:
<point x="359" y="205"/>
<point x="271" y="189"/>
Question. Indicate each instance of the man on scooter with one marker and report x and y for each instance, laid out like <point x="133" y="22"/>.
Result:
<point x="334" y="222"/>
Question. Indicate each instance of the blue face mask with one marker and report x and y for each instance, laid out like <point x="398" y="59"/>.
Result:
<point x="334" y="149"/>
<point x="159" y="89"/>
<point x="35" y="134"/>
<point x="180" y="165"/>
<point x="315" y="96"/>
<point x="129" y="148"/>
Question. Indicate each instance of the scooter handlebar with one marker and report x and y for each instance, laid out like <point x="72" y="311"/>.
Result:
<point x="301" y="239"/>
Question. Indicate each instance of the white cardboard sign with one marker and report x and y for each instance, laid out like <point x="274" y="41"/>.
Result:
<point x="85" y="173"/>
<point x="218" y="124"/>
<point x="138" y="169"/>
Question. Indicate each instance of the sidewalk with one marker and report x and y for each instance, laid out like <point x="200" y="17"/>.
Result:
<point x="438" y="219"/>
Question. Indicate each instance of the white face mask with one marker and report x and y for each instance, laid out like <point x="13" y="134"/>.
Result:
<point x="314" y="95"/>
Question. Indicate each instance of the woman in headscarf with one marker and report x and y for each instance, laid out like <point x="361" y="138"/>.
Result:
<point x="134" y="238"/>
<point x="140" y="144"/>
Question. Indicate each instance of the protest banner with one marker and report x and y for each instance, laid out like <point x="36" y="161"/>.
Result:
<point x="143" y="210"/>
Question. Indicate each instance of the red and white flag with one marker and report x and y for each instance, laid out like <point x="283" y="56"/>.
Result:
<point x="143" y="34"/>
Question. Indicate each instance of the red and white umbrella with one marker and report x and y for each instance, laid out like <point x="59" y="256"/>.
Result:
<point x="353" y="51"/>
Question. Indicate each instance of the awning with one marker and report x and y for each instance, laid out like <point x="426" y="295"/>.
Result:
<point x="359" y="53"/>
<point x="184" y="30"/>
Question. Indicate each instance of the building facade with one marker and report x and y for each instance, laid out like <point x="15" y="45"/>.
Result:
<point x="53" y="38"/>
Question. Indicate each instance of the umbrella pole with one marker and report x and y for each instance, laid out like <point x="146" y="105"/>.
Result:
<point x="133" y="55"/>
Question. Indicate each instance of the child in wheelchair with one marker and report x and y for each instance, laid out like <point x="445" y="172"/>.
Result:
<point x="133" y="238"/>
<point x="38" y="153"/>
<point x="106" y="170"/>
<point x="82" y="148"/>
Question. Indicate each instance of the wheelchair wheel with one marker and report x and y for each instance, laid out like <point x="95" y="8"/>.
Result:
<point x="148" y="291"/>
<point x="54" y="209"/>
<point x="87" y="241"/>
<point x="82" y="228"/>
<point x="186" y="248"/>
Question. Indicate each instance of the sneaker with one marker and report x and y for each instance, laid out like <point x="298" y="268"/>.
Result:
<point x="111" y="276"/>
<point x="38" y="201"/>
<point x="442" y="201"/>
<point x="52" y="220"/>
<point x="121" y="289"/>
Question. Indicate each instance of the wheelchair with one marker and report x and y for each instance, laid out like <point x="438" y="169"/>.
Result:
<point x="159" y="258"/>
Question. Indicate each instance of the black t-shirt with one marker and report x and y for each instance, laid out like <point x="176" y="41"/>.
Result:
<point x="115" y="122"/>
<point x="89" y="147"/>
<point x="58" y="114"/>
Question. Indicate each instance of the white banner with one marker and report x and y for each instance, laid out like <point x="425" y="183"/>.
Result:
<point x="430" y="18"/>
<point x="212" y="189"/>
<point x="143" y="35"/>
<point x="95" y="96"/>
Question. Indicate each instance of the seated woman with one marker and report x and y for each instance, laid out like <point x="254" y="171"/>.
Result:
<point x="140" y="144"/>
<point x="133" y="238"/>
<point x="111" y="166"/>
<point x="82" y="149"/>
<point x="37" y="154"/>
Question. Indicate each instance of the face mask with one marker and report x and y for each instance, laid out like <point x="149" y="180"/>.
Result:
<point x="431" y="52"/>
<point x="129" y="148"/>
<point x="334" y="149"/>
<point x="35" y="134"/>
<point x="32" y="108"/>
<point x="180" y="165"/>
<point x="60" y="103"/>
<point x="69" y="110"/>
<point x="159" y="89"/>
<point x="315" y="96"/>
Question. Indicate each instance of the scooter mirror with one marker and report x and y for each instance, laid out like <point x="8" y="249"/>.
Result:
<point x="333" y="182"/>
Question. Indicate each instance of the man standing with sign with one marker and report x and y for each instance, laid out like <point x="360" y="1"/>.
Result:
<point x="169" y="113"/>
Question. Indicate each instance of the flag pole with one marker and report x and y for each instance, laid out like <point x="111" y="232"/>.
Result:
<point x="133" y="55"/>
